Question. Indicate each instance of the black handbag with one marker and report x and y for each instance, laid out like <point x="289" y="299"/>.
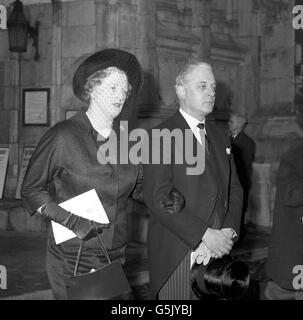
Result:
<point x="107" y="283"/>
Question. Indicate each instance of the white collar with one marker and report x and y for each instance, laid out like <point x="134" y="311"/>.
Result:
<point x="105" y="132"/>
<point x="192" y="122"/>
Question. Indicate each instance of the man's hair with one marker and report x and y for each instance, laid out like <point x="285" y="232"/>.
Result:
<point x="189" y="67"/>
<point x="240" y="118"/>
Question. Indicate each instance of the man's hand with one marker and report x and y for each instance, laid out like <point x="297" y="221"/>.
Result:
<point x="202" y="254"/>
<point x="218" y="242"/>
<point x="229" y="232"/>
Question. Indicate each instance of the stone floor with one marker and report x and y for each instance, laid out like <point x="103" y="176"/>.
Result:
<point x="22" y="253"/>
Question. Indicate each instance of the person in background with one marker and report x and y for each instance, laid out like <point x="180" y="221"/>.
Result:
<point x="206" y="224"/>
<point x="243" y="149"/>
<point x="285" y="254"/>
<point x="66" y="164"/>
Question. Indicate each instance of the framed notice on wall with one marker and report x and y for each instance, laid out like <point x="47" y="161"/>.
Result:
<point x="26" y="155"/>
<point x="36" y="107"/>
<point x="4" y="152"/>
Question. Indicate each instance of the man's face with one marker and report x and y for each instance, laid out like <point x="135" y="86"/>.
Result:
<point x="234" y="125"/>
<point x="199" y="93"/>
<point x="111" y="94"/>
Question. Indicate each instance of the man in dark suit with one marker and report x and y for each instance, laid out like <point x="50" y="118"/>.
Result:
<point x="211" y="215"/>
<point x="243" y="149"/>
<point x="285" y="256"/>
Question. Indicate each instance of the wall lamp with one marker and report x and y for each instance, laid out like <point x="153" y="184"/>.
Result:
<point x="19" y="29"/>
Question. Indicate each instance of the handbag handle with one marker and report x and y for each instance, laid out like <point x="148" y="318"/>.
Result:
<point x="80" y="252"/>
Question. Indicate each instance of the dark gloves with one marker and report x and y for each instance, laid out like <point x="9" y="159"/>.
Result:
<point x="174" y="202"/>
<point x="83" y="228"/>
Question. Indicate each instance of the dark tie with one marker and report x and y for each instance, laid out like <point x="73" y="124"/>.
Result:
<point x="202" y="135"/>
<point x="201" y="126"/>
<point x="204" y="139"/>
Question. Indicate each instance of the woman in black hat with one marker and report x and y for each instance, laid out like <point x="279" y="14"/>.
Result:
<point x="65" y="164"/>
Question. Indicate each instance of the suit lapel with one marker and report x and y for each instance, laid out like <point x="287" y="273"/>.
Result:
<point x="179" y="121"/>
<point x="218" y="148"/>
<point x="218" y="145"/>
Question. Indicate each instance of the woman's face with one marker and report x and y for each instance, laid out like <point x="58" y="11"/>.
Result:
<point x="111" y="94"/>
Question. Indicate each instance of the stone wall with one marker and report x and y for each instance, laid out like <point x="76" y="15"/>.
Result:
<point x="251" y="44"/>
<point x="274" y="123"/>
<point x="18" y="73"/>
<point x="267" y="87"/>
<point x="14" y="217"/>
<point x="9" y="105"/>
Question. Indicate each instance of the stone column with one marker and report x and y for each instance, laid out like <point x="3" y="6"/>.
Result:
<point x="131" y="25"/>
<point x="10" y="93"/>
<point x="56" y="61"/>
<point x="201" y="27"/>
<point x="10" y="121"/>
<point x="101" y="25"/>
<point x="260" y="197"/>
<point x="298" y="107"/>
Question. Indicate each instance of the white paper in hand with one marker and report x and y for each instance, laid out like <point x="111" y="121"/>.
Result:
<point x="86" y="205"/>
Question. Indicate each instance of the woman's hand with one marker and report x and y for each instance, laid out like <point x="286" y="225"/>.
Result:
<point x="83" y="228"/>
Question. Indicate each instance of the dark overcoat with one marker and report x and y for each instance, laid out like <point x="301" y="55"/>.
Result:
<point x="65" y="164"/>
<point x="243" y="149"/>
<point x="286" y="242"/>
<point x="213" y="198"/>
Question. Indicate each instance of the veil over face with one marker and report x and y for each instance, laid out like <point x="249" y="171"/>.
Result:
<point x="107" y="58"/>
<point x="110" y="94"/>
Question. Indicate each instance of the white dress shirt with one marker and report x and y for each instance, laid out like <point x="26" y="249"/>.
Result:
<point x="192" y="123"/>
